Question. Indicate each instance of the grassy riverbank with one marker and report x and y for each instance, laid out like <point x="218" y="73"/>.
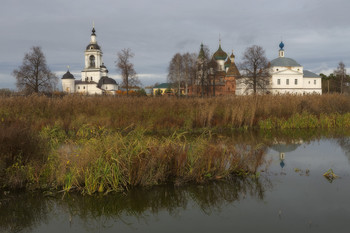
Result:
<point x="99" y="160"/>
<point x="102" y="144"/>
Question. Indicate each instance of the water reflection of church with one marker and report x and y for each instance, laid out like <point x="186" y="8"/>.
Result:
<point x="283" y="148"/>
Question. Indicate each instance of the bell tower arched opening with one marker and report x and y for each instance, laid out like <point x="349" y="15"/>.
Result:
<point x="92" y="61"/>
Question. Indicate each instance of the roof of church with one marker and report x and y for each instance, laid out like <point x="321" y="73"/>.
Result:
<point x="220" y="54"/>
<point x="309" y="74"/>
<point x="228" y="62"/>
<point x="106" y="80"/>
<point x="68" y="75"/>
<point x="85" y="82"/>
<point x="93" y="46"/>
<point x="233" y="70"/>
<point x="284" y="61"/>
<point x="284" y="147"/>
<point x="104" y="68"/>
<point x="164" y="85"/>
<point x="201" y="52"/>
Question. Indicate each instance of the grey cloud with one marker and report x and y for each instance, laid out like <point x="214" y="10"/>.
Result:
<point x="315" y="32"/>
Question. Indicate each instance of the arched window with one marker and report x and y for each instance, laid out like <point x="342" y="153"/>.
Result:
<point x="92" y="61"/>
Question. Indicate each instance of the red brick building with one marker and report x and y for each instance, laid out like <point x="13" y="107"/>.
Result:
<point x="217" y="77"/>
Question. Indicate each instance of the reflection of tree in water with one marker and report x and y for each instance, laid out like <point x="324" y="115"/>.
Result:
<point x="22" y="212"/>
<point x="217" y="195"/>
<point x="26" y="211"/>
<point x="139" y="203"/>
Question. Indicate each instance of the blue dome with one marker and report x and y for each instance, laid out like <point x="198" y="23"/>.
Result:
<point x="282" y="164"/>
<point x="281" y="45"/>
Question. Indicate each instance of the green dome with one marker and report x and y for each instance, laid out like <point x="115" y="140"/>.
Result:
<point x="220" y="54"/>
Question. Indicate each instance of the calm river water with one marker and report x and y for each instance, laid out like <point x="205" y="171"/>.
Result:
<point x="291" y="195"/>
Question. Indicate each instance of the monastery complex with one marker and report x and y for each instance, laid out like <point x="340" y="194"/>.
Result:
<point x="286" y="76"/>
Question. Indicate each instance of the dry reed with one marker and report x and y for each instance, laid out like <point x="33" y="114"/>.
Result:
<point x="104" y="143"/>
<point x="169" y="114"/>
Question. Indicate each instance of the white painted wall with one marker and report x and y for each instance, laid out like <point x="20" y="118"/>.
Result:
<point x="109" y="87"/>
<point x="68" y="85"/>
<point x="312" y="85"/>
<point x="88" y="73"/>
<point x="89" y="89"/>
<point x="286" y="80"/>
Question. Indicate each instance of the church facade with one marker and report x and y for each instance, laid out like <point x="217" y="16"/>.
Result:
<point x="94" y="77"/>
<point x="288" y="76"/>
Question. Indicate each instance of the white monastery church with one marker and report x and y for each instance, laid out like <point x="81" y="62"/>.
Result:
<point x="287" y="77"/>
<point x="94" y="77"/>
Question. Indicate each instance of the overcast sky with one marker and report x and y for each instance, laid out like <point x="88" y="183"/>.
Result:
<point x="316" y="33"/>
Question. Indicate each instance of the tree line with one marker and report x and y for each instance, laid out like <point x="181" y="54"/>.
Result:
<point x="336" y="82"/>
<point x="35" y="76"/>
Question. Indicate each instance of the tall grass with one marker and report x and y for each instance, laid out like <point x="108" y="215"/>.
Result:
<point x="113" y="161"/>
<point x="102" y="144"/>
<point x="157" y="114"/>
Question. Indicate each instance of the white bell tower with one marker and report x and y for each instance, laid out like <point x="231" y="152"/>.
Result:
<point x="93" y="60"/>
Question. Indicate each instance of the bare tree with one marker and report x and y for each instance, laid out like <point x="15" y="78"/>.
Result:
<point x="340" y="74"/>
<point x="182" y="70"/>
<point x="193" y="69"/>
<point x="176" y="71"/>
<point x="213" y="68"/>
<point x="126" y="68"/>
<point x="255" y="68"/>
<point x="189" y="69"/>
<point x="34" y="76"/>
<point x="203" y="69"/>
